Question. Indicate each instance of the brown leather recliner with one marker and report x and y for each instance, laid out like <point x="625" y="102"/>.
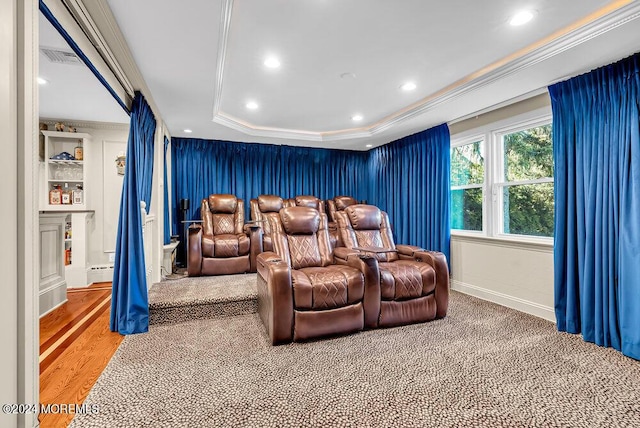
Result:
<point x="222" y="244"/>
<point x="339" y="203"/>
<point x="302" y="294"/>
<point x="414" y="283"/>
<point x="259" y="207"/>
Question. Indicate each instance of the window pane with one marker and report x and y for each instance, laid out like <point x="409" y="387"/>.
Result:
<point x="528" y="209"/>
<point x="466" y="209"/>
<point x="467" y="164"/>
<point x="528" y="154"/>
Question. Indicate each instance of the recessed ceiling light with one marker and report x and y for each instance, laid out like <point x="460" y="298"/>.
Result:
<point x="272" y="62"/>
<point x="356" y="118"/>
<point x="521" y="17"/>
<point x="369" y="145"/>
<point x="252" y="105"/>
<point x="42" y="81"/>
<point x="409" y="86"/>
<point x="188" y="131"/>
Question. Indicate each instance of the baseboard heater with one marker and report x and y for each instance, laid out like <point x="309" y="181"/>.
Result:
<point x="101" y="273"/>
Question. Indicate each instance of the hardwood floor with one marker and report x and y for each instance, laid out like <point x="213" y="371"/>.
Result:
<point x="75" y="347"/>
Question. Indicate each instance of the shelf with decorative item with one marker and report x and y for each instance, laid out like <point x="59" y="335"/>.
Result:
<point x="65" y="176"/>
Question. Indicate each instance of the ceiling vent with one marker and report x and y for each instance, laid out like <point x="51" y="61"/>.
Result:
<point x="59" y="56"/>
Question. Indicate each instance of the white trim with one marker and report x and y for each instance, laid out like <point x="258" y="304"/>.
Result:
<point x="532" y="308"/>
<point x="110" y="126"/>
<point x="54" y="307"/>
<point x="481" y="78"/>
<point x="531" y="243"/>
<point x="525" y="182"/>
<point x="226" y="10"/>
<point x="468" y="186"/>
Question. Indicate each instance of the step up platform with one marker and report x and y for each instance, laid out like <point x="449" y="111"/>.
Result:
<point x="190" y="298"/>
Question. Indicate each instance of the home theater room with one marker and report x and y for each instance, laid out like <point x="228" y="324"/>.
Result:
<point x="321" y="213"/>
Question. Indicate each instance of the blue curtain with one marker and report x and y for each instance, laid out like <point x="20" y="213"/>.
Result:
<point x="129" y="302"/>
<point x="203" y="167"/>
<point x="167" y="225"/>
<point x="596" y="140"/>
<point x="409" y="179"/>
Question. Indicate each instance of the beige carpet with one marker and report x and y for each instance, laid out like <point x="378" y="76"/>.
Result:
<point x="203" y="297"/>
<point x="482" y="366"/>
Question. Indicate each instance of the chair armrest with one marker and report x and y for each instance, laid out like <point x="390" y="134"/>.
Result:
<point x="407" y="250"/>
<point x="371" y="302"/>
<point x="275" y="297"/>
<point x="438" y="261"/>
<point x="255" y="242"/>
<point x="341" y="254"/>
<point x="194" y="250"/>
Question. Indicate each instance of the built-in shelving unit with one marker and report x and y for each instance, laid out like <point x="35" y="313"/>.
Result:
<point x="69" y="174"/>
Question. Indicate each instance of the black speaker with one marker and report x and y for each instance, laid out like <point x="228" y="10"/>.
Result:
<point x="184" y="204"/>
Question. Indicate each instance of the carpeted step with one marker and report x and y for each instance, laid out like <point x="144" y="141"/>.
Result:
<point x="208" y="297"/>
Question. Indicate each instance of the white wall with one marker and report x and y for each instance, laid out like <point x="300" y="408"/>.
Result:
<point x="103" y="186"/>
<point x="8" y="255"/>
<point x="514" y="274"/>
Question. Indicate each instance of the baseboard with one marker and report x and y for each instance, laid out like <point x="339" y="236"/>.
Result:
<point x="52" y="297"/>
<point x="512" y="302"/>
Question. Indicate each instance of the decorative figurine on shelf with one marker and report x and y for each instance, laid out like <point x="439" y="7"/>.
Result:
<point x="120" y="163"/>
<point x="71" y="129"/>
<point x="59" y="126"/>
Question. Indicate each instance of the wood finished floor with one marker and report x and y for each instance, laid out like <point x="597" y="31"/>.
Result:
<point x="75" y="347"/>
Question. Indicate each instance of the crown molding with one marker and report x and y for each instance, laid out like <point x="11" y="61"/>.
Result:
<point x="226" y="11"/>
<point x="110" y="126"/>
<point x="598" y="23"/>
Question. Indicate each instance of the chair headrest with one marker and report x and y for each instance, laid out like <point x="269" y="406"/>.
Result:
<point x="343" y="202"/>
<point x="223" y="204"/>
<point x="364" y="217"/>
<point x="300" y="220"/>
<point x="307" y="201"/>
<point x="269" y="203"/>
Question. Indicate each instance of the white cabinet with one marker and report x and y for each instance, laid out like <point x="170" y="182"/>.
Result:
<point x="64" y="168"/>
<point x="53" y="286"/>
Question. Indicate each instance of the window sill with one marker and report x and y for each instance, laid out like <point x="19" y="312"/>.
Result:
<point x="536" y="244"/>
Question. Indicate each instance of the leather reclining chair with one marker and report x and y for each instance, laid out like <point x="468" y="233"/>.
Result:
<point x="339" y="203"/>
<point x="261" y="206"/>
<point x="315" y="203"/>
<point x="302" y="294"/>
<point x="222" y="244"/>
<point x="414" y="283"/>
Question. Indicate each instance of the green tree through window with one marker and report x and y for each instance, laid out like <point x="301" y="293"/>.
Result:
<point x="467" y="180"/>
<point x="528" y="175"/>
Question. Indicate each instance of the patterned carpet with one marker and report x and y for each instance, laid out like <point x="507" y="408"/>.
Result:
<point x="482" y="366"/>
<point x="188" y="298"/>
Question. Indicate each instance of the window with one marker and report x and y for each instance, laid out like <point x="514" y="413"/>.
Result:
<point x="467" y="182"/>
<point x="527" y="182"/>
<point x="502" y="182"/>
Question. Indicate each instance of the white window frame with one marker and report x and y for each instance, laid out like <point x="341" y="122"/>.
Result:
<point x="463" y="142"/>
<point x="492" y="212"/>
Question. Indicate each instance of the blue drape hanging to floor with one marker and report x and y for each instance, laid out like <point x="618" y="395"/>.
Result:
<point x="596" y="138"/>
<point x="202" y="167"/>
<point x="129" y="301"/>
<point x="409" y="179"/>
<point x="167" y="208"/>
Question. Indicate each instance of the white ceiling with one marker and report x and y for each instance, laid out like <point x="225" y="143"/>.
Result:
<point x="72" y="93"/>
<point x="203" y="60"/>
